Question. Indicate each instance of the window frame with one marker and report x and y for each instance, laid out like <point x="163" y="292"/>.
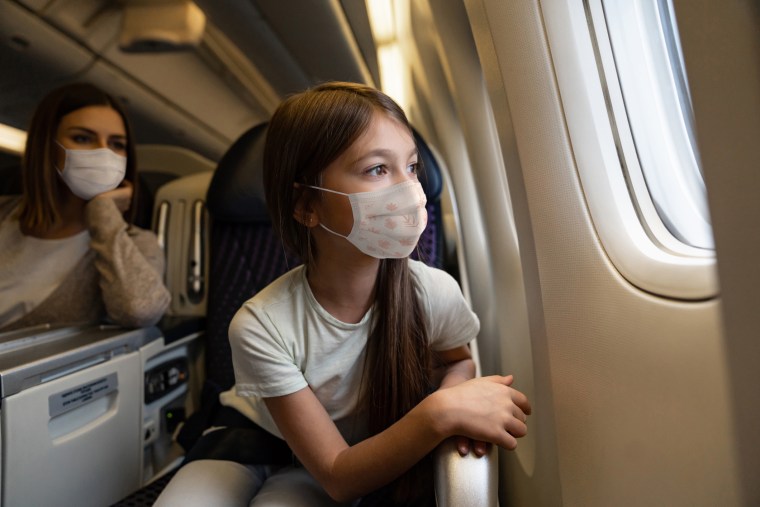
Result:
<point x="634" y="237"/>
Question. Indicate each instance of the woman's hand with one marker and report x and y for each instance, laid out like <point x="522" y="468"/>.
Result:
<point x="121" y="195"/>
<point x="485" y="409"/>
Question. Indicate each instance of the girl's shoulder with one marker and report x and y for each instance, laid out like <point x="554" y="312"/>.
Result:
<point x="273" y="303"/>
<point x="430" y="278"/>
<point x="437" y="289"/>
<point x="278" y="292"/>
<point x="450" y="320"/>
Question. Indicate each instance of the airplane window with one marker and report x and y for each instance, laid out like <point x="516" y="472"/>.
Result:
<point x="624" y="94"/>
<point x="662" y="161"/>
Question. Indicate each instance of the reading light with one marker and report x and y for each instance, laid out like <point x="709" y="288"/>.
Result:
<point x="385" y="31"/>
<point x="393" y="72"/>
<point x="381" y="20"/>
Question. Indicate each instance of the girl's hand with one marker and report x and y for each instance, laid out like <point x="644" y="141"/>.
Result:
<point x="121" y="195"/>
<point x="464" y="445"/>
<point x="485" y="409"/>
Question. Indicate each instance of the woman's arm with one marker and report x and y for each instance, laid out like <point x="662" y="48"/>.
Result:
<point x="130" y="265"/>
<point x="484" y="409"/>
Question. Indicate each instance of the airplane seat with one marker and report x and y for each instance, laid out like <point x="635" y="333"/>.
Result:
<point x="245" y="255"/>
<point x="150" y="182"/>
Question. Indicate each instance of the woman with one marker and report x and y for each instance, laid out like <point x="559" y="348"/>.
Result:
<point x="68" y="250"/>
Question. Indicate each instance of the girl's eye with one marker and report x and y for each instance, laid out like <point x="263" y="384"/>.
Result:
<point x="413" y="168"/>
<point x="377" y="170"/>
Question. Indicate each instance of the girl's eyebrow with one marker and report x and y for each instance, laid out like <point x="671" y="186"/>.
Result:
<point x="384" y="152"/>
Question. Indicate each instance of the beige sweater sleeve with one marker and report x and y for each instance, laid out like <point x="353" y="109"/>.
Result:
<point x="130" y="265"/>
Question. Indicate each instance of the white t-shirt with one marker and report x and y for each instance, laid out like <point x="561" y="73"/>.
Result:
<point x="32" y="268"/>
<point x="282" y="340"/>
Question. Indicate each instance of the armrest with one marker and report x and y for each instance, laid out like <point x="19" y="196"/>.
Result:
<point x="465" y="481"/>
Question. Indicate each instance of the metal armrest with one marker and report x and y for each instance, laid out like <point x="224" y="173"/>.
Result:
<point x="465" y="481"/>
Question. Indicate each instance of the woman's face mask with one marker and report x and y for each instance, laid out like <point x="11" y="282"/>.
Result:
<point x="388" y="223"/>
<point x="91" y="172"/>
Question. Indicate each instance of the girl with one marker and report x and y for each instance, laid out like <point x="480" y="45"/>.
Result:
<point x="67" y="250"/>
<point x="342" y="356"/>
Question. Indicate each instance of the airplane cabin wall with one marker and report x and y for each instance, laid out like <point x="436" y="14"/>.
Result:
<point x="493" y="261"/>
<point x="721" y="45"/>
<point x="452" y="108"/>
<point x="637" y="383"/>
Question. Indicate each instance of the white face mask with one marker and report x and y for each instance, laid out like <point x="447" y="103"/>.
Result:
<point x="91" y="172"/>
<point x="388" y="222"/>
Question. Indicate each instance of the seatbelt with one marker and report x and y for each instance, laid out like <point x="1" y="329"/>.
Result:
<point x="223" y="433"/>
<point x="247" y="446"/>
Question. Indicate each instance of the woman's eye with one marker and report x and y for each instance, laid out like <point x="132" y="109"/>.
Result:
<point x="120" y="146"/>
<point x="81" y="138"/>
<point x="413" y="168"/>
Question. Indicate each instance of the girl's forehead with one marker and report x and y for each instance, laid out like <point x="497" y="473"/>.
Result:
<point x="383" y="133"/>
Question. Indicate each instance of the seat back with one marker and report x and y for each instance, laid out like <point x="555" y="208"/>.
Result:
<point x="245" y="256"/>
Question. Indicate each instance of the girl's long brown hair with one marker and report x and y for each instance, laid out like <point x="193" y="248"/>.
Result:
<point x="308" y="132"/>
<point x="41" y="185"/>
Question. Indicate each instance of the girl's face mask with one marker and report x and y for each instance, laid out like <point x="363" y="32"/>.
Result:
<point x="91" y="172"/>
<point x="388" y="222"/>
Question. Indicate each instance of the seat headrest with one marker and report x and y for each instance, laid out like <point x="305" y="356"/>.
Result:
<point x="430" y="177"/>
<point x="236" y="191"/>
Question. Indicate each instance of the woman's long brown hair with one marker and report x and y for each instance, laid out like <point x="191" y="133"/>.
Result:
<point x="308" y="132"/>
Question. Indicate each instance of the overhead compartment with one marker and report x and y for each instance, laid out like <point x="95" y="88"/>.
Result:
<point x="156" y="119"/>
<point x="61" y="41"/>
<point x="35" y="58"/>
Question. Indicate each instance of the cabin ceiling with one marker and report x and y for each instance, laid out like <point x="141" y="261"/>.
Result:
<point x="251" y="54"/>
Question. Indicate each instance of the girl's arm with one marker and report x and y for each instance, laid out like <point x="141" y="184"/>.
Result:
<point x="456" y="366"/>
<point x="483" y="409"/>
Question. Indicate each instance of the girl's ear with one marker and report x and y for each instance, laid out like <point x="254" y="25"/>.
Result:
<point x="304" y="213"/>
<point x="307" y="219"/>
